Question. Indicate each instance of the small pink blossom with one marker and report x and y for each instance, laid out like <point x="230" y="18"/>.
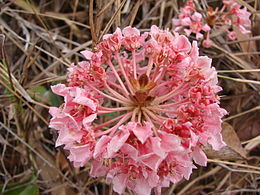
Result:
<point x="232" y="35"/>
<point x="202" y="25"/>
<point x="162" y="104"/>
<point x="207" y="43"/>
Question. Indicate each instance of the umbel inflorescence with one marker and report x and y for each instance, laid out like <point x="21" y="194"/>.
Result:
<point x="194" y="20"/>
<point x="139" y="109"/>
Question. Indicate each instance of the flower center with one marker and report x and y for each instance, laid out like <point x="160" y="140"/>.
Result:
<point x="142" y="87"/>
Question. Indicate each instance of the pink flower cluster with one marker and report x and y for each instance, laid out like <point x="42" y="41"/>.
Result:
<point x="190" y="20"/>
<point x="139" y="109"/>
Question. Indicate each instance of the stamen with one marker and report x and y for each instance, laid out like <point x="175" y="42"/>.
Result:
<point x="114" y="128"/>
<point x="155" y="72"/>
<point x="139" y="115"/>
<point x="171" y="104"/>
<point x="124" y="73"/>
<point x="150" y="66"/>
<point x="160" y="85"/>
<point x="173" y="93"/>
<point x="155" y="117"/>
<point x="162" y="110"/>
<point x="152" y="122"/>
<point x="108" y="96"/>
<point x="115" y="109"/>
<point x="110" y="121"/>
<point x="134" y="64"/>
<point x="115" y="85"/>
<point x="160" y="75"/>
<point x="134" y="114"/>
<point x="117" y="95"/>
<point x="117" y="76"/>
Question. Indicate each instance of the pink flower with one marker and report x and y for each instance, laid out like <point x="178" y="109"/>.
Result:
<point x="140" y="109"/>
<point x="232" y="35"/>
<point x="207" y="43"/>
<point x="194" y="22"/>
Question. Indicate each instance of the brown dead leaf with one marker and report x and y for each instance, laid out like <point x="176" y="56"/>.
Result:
<point x="232" y="151"/>
<point x="51" y="175"/>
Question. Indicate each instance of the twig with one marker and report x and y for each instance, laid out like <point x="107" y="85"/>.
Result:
<point x="242" y="113"/>
<point x="234" y="164"/>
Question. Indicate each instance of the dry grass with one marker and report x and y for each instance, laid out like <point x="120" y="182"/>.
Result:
<point x="40" y="39"/>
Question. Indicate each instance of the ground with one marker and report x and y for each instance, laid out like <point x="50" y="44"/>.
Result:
<point x="39" y="41"/>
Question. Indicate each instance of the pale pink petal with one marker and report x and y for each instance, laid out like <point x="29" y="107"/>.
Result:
<point x="143" y="132"/>
<point x="97" y="169"/>
<point x="216" y="141"/>
<point x="154" y="29"/>
<point x="206" y="28"/>
<point x="83" y="100"/>
<point x="80" y="155"/>
<point x="129" y="150"/>
<point x="59" y="89"/>
<point x="151" y="160"/>
<point x="119" y="183"/>
<point x="142" y="187"/>
<point x="199" y="156"/>
<point x="87" y="54"/>
<point x="187" y="31"/>
<point x="55" y="112"/>
<point x="194" y="53"/>
<point x="153" y="179"/>
<point x="117" y="142"/>
<point x="156" y="146"/>
<point x="129" y="31"/>
<point x="243" y="29"/>
<point x="182" y="44"/>
<point x="176" y="22"/>
<point x="89" y="119"/>
<point x="186" y="21"/>
<point x="101" y="146"/>
<point x="170" y="142"/>
<point x="199" y="35"/>
<point x="196" y="17"/>
<point x="68" y="136"/>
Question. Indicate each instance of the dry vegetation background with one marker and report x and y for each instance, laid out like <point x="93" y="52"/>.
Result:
<point x="41" y="38"/>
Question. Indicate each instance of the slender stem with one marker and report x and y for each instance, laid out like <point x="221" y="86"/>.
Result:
<point x="139" y="115"/>
<point x="174" y="92"/>
<point x="240" y="71"/>
<point x="170" y="104"/>
<point x="149" y="120"/>
<point x="110" y="121"/>
<point x="223" y="8"/>
<point x="240" y="80"/>
<point x="155" y="72"/>
<point x="134" y="114"/>
<point x="113" y="129"/>
<point x="115" y="85"/>
<point x="162" y="110"/>
<point x="124" y="73"/>
<point x="134" y="64"/>
<point x="155" y="117"/>
<point x="160" y="85"/>
<point x="150" y="66"/>
<point x="125" y="118"/>
<point x="117" y="95"/>
<point x="101" y="108"/>
<point x="117" y="76"/>
<point x="106" y="111"/>
<point x="160" y="75"/>
<point x="108" y="96"/>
